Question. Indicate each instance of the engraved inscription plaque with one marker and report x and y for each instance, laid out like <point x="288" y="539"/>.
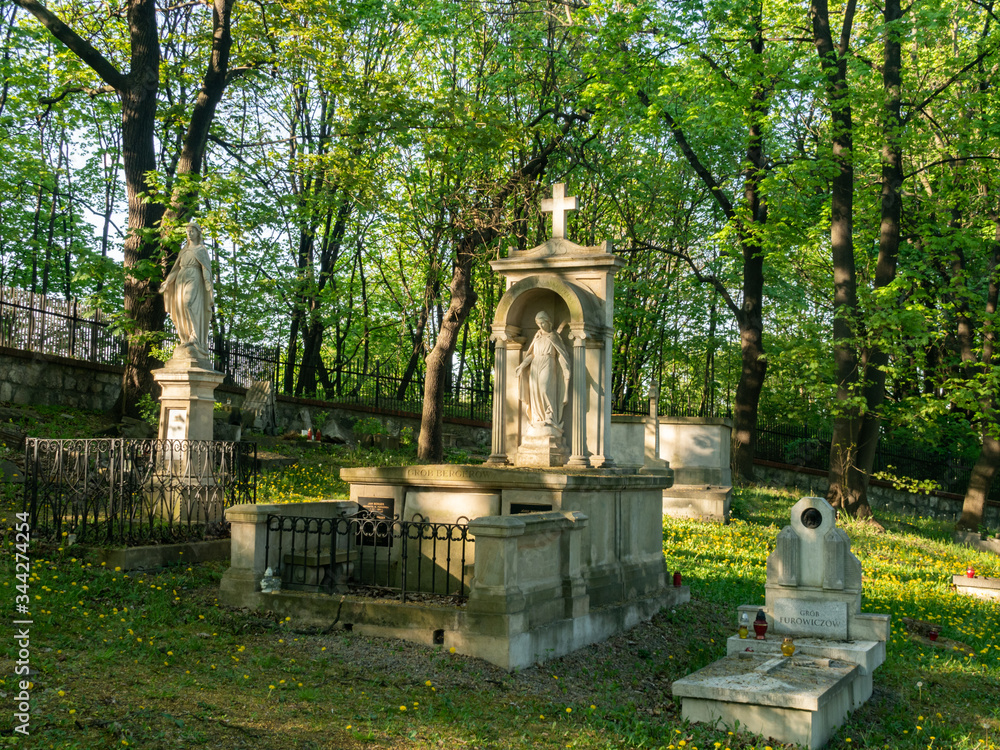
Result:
<point x="176" y="424"/>
<point x="375" y="530"/>
<point x="811" y="617"/>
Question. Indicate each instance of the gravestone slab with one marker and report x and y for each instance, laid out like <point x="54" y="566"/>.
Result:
<point x="258" y="406"/>
<point x="798" y="700"/>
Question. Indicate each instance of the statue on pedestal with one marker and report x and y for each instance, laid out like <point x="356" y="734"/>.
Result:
<point x="544" y="378"/>
<point x="188" y="294"/>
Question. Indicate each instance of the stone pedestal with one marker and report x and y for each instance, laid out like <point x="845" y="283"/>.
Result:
<point x="798" y="700"/>
<point x="188" y="398"/>
<point x="542" y="451"/>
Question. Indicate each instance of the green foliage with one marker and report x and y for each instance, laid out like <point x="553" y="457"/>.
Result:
<point x="149" y="410"/>
<point x="370" y="426"/>
<point x="907" y="484"/>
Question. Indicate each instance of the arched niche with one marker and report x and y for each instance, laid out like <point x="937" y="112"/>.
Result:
<point x="577" y="316"/>
<point x="564" y="301"/>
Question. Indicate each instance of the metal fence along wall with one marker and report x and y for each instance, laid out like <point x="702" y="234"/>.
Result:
<point x="34" y="323"/>
<point x="378" y="386"/>
<point x="369" y="552"/>
<point x="123" y="491"/>
<point x="798" y="445"/>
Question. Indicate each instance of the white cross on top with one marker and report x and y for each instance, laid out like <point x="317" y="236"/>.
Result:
<point x="559" y="205"/>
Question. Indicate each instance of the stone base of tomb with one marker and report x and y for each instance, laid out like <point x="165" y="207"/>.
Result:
<point x="510" y="641"/>
<point x="541" y="451"/>
<point x="622" y="542"/>
<point x="698" y="502"/>
<point x="560" y="559"/>
<point x="799" y="700"/>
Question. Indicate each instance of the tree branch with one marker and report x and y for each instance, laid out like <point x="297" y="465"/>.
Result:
<point x="950" y="160"/>
<point x="240" y="71"/>
<point x="704" y="278"/>
<point x="706" y="177"/>
<point x="944" y="86"/>
<point x="50" y="100"/>
<point x="77" y="44"/>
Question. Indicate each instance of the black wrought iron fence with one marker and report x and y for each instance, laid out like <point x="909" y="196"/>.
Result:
<point x="124" y="491"/>
<point x="799" y="445"/>
<point x="35" y="323"/>
<point x="382" y="385"/>
<point x="366" y="552"/>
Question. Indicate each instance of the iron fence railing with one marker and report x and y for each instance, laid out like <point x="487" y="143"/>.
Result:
<point x="126" y="491"/>
<point x="383" y="386"/>
<point x="368" y="552"/>
<point x="638" y="406"/>
<point x="799" y="445"/>
<point x="35" y="323"/>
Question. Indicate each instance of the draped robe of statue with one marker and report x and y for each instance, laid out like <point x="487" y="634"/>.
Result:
<point x="188" y="294"/>
<point x="544" y="378"/>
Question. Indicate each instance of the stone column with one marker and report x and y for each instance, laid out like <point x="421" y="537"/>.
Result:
<point x="654" y="414"/>
<point x="498" y="457"/>
<point x="240" y="585"/>
<point x="578" y="439"/>
<point x="609" y="461"/>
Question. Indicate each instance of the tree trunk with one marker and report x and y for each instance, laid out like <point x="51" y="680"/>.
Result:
<point x="874" y="362"/>
<point x="430" y="447"/>
<point x="144" y="309"/>
<point x="848" y="486"/>
<point x="981" y="480"/>
<point x="749" y="313"/>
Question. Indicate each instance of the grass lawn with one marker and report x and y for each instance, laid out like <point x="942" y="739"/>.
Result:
<point x="152" y="660"/>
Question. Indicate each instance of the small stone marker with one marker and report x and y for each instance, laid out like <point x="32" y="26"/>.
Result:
<point x="259" y="405"/>
<point x="814" y="580"/>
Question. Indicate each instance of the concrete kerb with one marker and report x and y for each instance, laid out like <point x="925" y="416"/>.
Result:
<point x="161" y="555"/>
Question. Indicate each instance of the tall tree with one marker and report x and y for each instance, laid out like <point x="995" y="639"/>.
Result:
<point x="137" y="91"/>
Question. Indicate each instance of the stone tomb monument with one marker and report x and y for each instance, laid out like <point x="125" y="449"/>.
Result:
<point x="553" y="331"/>
<point x="568" y="547"/>
<point x="813" y="596"/>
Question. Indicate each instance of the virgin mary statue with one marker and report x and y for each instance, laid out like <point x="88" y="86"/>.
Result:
<point x="188" y="294"/>
<point x="544" y="378"/>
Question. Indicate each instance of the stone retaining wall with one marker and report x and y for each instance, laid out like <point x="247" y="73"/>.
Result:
<point x="37" y="379"/>
<point x="882" y="496"/>
<point x="44" y="380"/>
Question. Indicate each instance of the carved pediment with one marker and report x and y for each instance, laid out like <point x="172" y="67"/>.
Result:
<point x="559" y="246"/>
